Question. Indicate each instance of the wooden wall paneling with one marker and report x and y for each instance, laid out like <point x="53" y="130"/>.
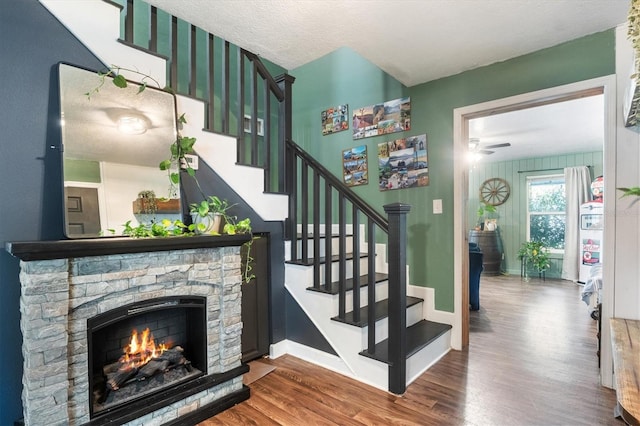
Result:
<point x="513" y="213"/>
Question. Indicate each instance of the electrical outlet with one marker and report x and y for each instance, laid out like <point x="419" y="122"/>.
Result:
<point x="192" y="160"/>
<point x="437" y="206"/>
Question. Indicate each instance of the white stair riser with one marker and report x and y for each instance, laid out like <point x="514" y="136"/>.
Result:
<point x="421" y="361"/>
<point x="305" y="273"/>
<point x="335" y="229"/>
<point x="382" y="292"/>
<point x="335" y="243"/>
<point x="414" y="314"/>
<point x="335" y="269"/>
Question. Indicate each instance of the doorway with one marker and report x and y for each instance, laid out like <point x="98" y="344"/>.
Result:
<point x="524" y="153"/>
<point x="462" y="116"/>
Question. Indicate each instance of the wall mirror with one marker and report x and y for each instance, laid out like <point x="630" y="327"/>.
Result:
<point x="112" y="144"/>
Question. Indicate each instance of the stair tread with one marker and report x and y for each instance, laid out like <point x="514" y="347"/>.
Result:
<point x="334" y="286"/>
<point x="381" y="308"/>
<point x="334" y="258"/>
<point x="419" y="335"/>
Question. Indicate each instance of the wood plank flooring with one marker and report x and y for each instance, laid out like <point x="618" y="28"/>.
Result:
<point x="531" y="361"/>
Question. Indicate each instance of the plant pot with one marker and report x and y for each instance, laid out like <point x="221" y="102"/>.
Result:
<point x="142" y="205"/>
<point x="212" y="223"/>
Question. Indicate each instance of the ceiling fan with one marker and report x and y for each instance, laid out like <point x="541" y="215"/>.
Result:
<point x="476" y="147"/>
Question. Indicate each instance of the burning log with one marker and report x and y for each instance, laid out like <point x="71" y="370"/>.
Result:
<point x="152" y="367"/>
<point x="140" y="367"/>
<point x="141" y="360"/>
<point x="115" y="380"/>
<point x="173" y="355"/>
<point x="126" y="360"/>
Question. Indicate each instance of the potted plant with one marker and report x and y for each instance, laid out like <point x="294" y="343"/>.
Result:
<point x="207" y="215"/>
<point x="534" y="253"/>
<point x="232" y="226"/>
<point x="483" y="209"/>
<point x="146" y="203"/>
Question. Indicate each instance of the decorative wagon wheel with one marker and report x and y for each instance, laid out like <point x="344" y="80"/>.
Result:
<point x="494" y="191"/>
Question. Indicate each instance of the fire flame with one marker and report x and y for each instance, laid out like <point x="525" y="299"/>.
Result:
<point x="141" y="350"/>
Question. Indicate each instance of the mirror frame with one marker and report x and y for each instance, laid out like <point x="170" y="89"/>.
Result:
<point x="108" y="159"/>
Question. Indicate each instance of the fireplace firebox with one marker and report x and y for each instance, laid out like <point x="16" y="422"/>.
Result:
<point x="138" y="350"/>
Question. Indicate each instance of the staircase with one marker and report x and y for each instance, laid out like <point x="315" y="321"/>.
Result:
<point x="380" y="334"/>
<point x="348" y="335"/>
<point x="338" y="241"/>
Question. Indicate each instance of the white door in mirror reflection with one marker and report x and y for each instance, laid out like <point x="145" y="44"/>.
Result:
<point x="83" y="212"/>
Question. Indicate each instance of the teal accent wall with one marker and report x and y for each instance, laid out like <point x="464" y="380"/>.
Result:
<point x="345" y="77"/>
<point x="512" y="215"/>
<point x="82" y="171"/>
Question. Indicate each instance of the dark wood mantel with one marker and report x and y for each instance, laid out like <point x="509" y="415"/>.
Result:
<point x="62" y="249"/>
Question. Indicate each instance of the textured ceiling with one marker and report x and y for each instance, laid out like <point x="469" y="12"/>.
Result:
<point x="413" y="40"/>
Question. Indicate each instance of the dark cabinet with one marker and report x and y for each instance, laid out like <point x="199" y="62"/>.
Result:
<point x="491" y="247"/>
<point x="255" y="300"/>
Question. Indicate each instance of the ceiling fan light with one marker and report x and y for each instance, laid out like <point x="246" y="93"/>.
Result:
<point x="132" y="125"/>
<point x="473" y="157"/>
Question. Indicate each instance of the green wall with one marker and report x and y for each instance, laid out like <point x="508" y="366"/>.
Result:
<point x="345" y="77"/>
<point x="512" y="215"/>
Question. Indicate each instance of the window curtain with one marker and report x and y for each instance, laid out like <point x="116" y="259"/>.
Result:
<point x="577" y="182"/>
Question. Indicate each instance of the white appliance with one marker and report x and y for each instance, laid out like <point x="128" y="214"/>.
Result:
<point x="591" y="230"/>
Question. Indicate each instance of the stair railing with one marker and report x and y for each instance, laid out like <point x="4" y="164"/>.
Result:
<point x="231" y="81"/>
<point x="318" y="197"/>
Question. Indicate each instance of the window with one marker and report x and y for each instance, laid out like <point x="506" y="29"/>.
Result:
<point x="546" y="211"/>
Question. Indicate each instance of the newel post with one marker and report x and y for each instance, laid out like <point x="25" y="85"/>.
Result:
<point x="397" y="260"/>
<point x="285" y="132"/>
<point x="286" y="161"/>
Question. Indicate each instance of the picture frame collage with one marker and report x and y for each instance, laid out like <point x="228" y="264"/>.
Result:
<point x="402" y="163"/>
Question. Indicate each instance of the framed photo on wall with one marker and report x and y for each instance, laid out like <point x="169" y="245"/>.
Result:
<point x="335" y="119"/>
<point x="355" y="170"/>
<point x="403" y="163"/>
<point x="380" y="119"/>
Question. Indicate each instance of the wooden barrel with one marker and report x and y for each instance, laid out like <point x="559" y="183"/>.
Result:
<point x="489" y="243"/>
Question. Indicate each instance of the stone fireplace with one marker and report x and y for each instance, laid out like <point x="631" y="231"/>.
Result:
<point x="81" y="299"/>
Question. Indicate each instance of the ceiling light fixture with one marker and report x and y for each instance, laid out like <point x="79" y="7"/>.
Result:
<point x="473" y="144"/>
<point x="132" y="125"/>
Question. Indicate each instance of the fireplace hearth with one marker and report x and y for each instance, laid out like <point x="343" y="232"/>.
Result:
<point x="78" y="313"/>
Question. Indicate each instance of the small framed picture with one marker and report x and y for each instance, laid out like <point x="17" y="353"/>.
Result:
<point x="335" y="119"/>
<point x="355" y="169"/>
